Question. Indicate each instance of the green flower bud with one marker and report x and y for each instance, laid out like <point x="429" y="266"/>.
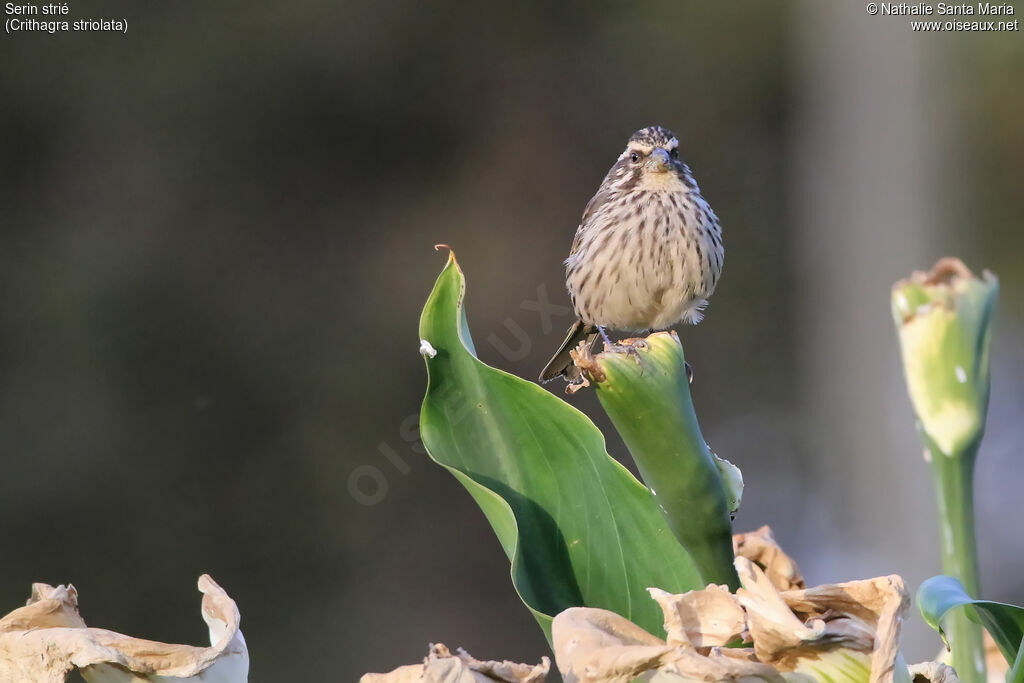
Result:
<point x="944" y="323"/>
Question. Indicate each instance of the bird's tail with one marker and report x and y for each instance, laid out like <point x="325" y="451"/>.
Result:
<point x="561" y="363"/>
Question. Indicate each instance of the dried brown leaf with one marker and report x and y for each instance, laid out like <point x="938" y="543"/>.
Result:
<point x="704" y="618"/>
<point x="932" y="672"/>
<point x="48" y="638"/>
<point x="595" y="645"/>
<point x="775" y="630"/>
<point x="877" y="606"/>
<point x="441" y="666"/>
<point x="760" y="548"/>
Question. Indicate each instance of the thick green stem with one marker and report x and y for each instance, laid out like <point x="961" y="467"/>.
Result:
<point x="954" y="489"/>
<point x="647" y="396"/>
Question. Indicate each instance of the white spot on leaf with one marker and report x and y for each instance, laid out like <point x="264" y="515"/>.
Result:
<point x="961" y="375"/>
<point x="426" y="350"/>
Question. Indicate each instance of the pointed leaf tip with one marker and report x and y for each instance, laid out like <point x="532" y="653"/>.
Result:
<point x="451" y="253"/>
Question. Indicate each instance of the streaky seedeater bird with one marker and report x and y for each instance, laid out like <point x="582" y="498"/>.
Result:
<point x="648" y="251"/>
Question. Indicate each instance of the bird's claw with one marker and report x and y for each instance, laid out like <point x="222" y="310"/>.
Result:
<point x="630" y="347"/>
<point x="634" y="345"/>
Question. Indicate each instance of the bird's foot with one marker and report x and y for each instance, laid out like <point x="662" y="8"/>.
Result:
<point x="637" y="342"/>
<point x="630" y="347"/>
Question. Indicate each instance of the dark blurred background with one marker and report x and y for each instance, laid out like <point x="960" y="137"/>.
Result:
<point x="217" y="235"/>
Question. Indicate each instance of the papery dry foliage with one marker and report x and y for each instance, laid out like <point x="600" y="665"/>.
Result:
<point x="441" y="665"/>
<point x="775" y="629"/>
<point x="43" y="641"/>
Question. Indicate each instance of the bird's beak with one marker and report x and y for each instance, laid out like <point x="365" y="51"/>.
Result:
<point x="658" y="161"/>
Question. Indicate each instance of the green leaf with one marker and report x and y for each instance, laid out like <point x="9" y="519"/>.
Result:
<point x="647" y="395"/>
<point x="577" y="527"/>
<point x="940" y="594"/>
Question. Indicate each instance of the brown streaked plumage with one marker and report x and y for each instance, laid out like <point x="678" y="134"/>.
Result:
<point x="648" y="251"/>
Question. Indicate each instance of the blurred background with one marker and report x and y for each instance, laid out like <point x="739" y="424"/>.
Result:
<point x="217" y="235"/>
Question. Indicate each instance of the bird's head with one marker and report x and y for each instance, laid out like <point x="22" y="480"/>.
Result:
<point x="651" y="161"/>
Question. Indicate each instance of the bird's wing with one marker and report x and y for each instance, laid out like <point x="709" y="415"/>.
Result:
<point x="596" y="201"/>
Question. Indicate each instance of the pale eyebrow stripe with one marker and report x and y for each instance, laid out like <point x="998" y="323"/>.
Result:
<point x="645" y="149"/>
<point x="638" y="147"/>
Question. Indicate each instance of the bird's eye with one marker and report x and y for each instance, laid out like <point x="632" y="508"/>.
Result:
<point x="674" y="153"/>
<point x="634" y="156"/>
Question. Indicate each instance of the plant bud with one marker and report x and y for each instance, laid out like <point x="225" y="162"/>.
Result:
<point x="944" y="320"/>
